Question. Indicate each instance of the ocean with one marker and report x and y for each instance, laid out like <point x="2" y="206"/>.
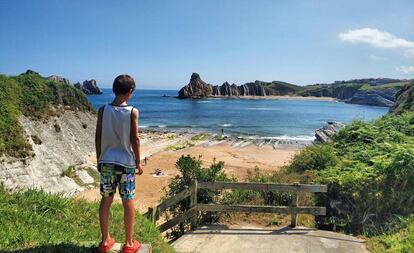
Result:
<point x="289" y="119"/>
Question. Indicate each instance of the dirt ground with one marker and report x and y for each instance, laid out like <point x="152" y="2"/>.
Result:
<point x="237" y="161"/>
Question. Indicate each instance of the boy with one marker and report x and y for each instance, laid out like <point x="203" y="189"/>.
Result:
<point x="118" y="155"/>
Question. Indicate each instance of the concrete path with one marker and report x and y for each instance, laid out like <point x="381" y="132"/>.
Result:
<point x="220" y="238"/>
<point x="145" y="248"/>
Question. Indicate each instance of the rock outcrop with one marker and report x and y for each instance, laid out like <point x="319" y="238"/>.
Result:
<point x="58" y="79"/>
<point x="58" y="143"/>
<point x="31" y="72"/>
<point x="89" y="87"/>
<point x="325" y="133"/>
<point x="196" y="88"/>
<point x="374" y="97"/>
<point x="404" y="99"/>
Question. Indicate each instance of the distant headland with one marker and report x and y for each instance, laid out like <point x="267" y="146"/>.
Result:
<point x="368" y="91"/>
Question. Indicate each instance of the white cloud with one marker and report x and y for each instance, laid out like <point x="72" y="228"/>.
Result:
<point x="379" y="39"/>
<point x="405" y="69"/>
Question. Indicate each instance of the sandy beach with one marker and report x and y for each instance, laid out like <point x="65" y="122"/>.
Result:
<point x="238" y="159"/>
<point x="287" y="97"/>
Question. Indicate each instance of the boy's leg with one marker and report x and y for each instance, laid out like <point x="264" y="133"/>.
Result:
<point x="129" y="219"/>
<point x="127" y="192"/>
<point x="104" y="218"/>
<point x="107" y="187"/>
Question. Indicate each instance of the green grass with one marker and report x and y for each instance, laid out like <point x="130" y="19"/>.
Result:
<point x="401" y="241"/>
<point x="180" y="145"/>
<point x="200" y="137"/>
<point x="384" y="86"/>
<point x="33" y="221"/>
<point x="35" y="97"/>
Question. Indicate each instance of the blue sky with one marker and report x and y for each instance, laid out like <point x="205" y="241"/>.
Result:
<point x="161" y="43"/>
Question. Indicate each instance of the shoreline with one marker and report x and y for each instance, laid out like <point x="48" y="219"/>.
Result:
<point x="276" y="97"/>
<point x="162" y="150"/>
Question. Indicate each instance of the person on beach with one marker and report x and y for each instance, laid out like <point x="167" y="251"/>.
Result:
<point x="118" y="156"/>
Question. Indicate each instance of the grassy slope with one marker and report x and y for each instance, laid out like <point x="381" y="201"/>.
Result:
<point x="369" y="170"/>
<point x="33" y="221"/>
<point x="35" y="97"/>
<point x="282" y="88"/>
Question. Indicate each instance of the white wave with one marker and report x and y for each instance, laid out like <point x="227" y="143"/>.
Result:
<point x="263" y="108"/>
<point x="162" y="126"/>
<point x="143" y="126"/>
<point x="279" y="138"/>
<point x="226" y="125"/>
<point x="202" y="102"/>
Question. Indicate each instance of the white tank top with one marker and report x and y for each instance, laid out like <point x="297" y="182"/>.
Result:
<point x="115" y="139"/>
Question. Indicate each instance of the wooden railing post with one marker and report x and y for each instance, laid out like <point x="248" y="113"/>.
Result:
<point x="193" y="203"/>
<point x="295" y="200"/>
<point x="149" y="213"/>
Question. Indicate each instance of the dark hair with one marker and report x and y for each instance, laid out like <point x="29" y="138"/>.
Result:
<point x="123" y="84"/>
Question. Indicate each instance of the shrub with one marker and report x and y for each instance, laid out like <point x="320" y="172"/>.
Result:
<point x="369" y="170"/>
<point x="191" y="168"/>
<point x="316" y="157"/>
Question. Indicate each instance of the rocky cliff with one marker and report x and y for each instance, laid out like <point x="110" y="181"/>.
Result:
<point x="89" y="87"/>
<point x="196" y="88"/>
<point x="404" y="99"/>
<point x="374" y="97"/>
<point x="58" y="143"/>
<point x="368" y="91"/>
<point x="46" y="128"/>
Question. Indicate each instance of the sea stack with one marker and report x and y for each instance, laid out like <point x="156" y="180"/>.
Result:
<point x="196" y="88"/>
<point x="89" y="87"/>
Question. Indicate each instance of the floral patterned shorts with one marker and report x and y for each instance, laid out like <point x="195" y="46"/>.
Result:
<point x="113" y="176"/>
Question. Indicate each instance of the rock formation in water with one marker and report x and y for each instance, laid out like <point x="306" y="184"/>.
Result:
<point x="197" y="88"/>
<point x="89" y="87"/>
<point x="325" y="133"/>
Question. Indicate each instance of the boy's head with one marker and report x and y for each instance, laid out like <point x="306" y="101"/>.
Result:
<point x="123" y="85"/>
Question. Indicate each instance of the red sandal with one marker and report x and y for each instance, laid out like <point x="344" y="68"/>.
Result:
<point x="131" y="249"/>
<point x="106" y="248"/>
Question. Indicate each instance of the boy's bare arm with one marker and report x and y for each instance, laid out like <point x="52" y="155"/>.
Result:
<point x="135" y="141"/>
<point x="98" y="134"/>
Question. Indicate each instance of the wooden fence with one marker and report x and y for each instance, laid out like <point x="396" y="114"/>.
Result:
<point x="191" y="192"/>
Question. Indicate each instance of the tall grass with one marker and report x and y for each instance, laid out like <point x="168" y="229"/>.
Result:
<point x="34" y="221"/>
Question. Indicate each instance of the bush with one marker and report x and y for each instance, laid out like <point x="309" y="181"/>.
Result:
<point x="191" y="168"/>
<point x="369" y="170"/>
<point x="316" y="157"/>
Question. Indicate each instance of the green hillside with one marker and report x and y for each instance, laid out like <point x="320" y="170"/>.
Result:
<point x="33" y="221"/>
<point x="36" y="97"/>
<point x="341" y="90"/>
<point x="281" y="88"/>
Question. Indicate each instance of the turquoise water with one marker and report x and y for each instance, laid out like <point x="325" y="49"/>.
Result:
<point x="240" y="117"/>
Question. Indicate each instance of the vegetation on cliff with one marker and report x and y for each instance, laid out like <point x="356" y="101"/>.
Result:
<point x="36" y="97"/>
<point x="34" y="221"/>
<point x="405" y="99"/>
